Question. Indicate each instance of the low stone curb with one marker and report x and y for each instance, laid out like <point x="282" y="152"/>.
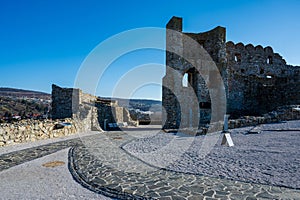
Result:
<point x="78" y="177"/>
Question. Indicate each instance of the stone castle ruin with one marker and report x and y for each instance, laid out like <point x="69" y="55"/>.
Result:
<point x="256" y="79"/>
<point x="257" y="84"/>
<point x="96" y="113"/>
<point x="72" y="112"/>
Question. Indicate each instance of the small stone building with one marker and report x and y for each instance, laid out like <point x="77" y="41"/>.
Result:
<point x="73" y="103"/>
<point x="255" y="79"/>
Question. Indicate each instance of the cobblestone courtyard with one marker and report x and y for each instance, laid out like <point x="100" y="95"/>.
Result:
<point x="121" y="164"/>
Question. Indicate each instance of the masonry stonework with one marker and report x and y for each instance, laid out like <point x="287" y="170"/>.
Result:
<point x="94" y="111"/>
<point x="33" y="130"/>
<point x="110" y="112"/>
<point x="256" y="80"/>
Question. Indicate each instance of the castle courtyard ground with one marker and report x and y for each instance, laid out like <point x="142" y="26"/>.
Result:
<point x="147" y="163"/>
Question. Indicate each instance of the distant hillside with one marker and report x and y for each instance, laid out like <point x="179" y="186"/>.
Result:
<point x="23" y="103"/>
<point x="20" y="107"/>
<point x="26" y="103"/>
<point x="138" y="109"/>
<point x="19" y="93"/>
<point x="142" y="104"/>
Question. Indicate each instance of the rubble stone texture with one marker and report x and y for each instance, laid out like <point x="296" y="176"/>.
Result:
<point x="72" y="112"/>
<point x="33" y="130"/>
<point x="256" y="80"/>
<point x="73" y="103"/>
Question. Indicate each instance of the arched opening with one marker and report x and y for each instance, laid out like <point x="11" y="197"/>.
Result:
<point x="188" y="78"/>
<point x="185" y="80"/>
<point x="237" y="57"/>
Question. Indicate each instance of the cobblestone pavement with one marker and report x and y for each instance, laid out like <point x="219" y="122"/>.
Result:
<point x="270" y="157"/>
<point x="38" y="179"/>
<point x="102" y="166"/>
<point x="14" y="158"/>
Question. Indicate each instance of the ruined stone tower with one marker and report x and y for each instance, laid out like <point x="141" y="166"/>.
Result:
<point x="254" y="79"/>
<point x="189" y="105"/>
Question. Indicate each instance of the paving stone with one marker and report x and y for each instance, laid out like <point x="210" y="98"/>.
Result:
<point x="99" y="181"/>
<point x="178" y="198"/>
<point x="185" y="189"/>
<point x="15" y="158"/>
<point x="196" y="189"/>
<point x="210" y="198"/>
<point x="265" y="195"/>
<point x="251" y="198"/>
<point x="209" y="193"/>
<point x="167" y="193"/>
<point x="221" y="193"/>
<point x="165" y="198"/>
<point x="238" y="196"/>
<point x="170" y="185"/>
<point x="195" y="197"/>
<point x="268" y="158"/>
<point x="111" y="171"/>
<point x="152" y="194"/>
<point x="221" y="197"/>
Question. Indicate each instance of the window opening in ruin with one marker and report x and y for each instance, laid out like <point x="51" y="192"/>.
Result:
<point x="268" y="76"/>
<point x="237" y="57"/>
<point x="185" y="80"/>
<point x="270" y="60"/>
<point x="242" y="70"/>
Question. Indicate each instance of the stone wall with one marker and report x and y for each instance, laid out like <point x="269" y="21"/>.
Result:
<point x="282" y="113"/>
<point x="72" y="112"/>
<point x="73" y="103"/>
<point x="189" y="106"/>
<point x="259" y="80"/>
<point x="110" y="112"/>
<point x="32" y="130"/>
<point x="256" y="80"/>
<point x="65" y="101"/>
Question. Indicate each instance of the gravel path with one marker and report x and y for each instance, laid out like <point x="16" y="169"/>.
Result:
<point x="31" y="180"/>
<point x="271" y="157"/>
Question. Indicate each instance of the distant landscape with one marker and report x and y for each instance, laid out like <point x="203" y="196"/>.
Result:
<point x="16" y="104"/>
<point x="19" y="93"/>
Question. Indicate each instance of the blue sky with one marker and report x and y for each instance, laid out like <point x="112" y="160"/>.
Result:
<point x="45" y="42"/>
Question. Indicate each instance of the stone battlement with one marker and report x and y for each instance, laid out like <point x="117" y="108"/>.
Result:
<point x="256" y="79"/>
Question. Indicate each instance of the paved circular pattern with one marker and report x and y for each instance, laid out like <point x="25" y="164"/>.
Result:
<point x="270" y="157"/>
<point x="109" y="170"/>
